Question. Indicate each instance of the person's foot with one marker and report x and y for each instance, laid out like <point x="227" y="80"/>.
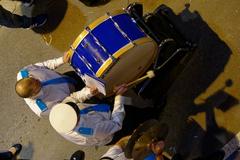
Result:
<point x="38" y="21"/>
<point x="28" y="3"/>
<point x="78" y="155"/>
<point x="15" y="149"/>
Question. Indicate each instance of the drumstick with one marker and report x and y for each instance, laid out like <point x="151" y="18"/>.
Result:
<point x="150" y="74"/>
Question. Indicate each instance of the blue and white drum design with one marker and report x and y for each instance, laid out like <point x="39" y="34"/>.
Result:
<point x="113" y="48"/>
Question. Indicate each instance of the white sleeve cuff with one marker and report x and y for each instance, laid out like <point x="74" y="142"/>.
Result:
<point x="113" y="152"/>
<point x="52" y="63"/>
<point x="121" y="100"/>
<point x="87" y="92"/>
<point x="59" y="60"/>
<point x="82" y="95"/>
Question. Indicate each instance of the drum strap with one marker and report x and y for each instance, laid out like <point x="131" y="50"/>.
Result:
<point x="25" y="74"/>
<point x="59" y="81"/>
<point x="97" y="108"/>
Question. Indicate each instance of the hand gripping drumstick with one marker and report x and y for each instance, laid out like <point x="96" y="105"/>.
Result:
<point x="150" y="74"/>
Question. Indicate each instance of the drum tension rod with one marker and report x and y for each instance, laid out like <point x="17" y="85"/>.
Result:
<point x="100" y="45"/>
<point x="120" y="29"/>
<point x="84" y="60"/>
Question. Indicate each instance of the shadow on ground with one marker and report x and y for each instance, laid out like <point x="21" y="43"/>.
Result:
<point x="94" y="3"/>
<point x="214" y="136"/>
<point x="198" y="142"/>
<point x="28" y="152"/>
<point x="197" y="74"/>
<point x="65" y="22"/>
<point x="55" y="9"/>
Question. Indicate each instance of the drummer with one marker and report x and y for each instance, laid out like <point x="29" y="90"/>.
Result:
<point x="86" y="124"/>
<point x="42" y="87"/>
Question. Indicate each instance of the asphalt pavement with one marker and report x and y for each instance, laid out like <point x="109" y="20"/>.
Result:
<point x="202" y="106"/>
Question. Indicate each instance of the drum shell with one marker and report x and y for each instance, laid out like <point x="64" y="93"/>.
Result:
<point x="88" y="57"/>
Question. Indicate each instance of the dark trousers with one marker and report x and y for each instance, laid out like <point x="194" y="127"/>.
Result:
<point x="6" y="156"/>
<point x="80" y="84"/>
<point x="11" y="20"/>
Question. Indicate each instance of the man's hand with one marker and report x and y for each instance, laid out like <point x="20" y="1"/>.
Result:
<point x="157" y="147"/>
<point x="119" y="90"/>
<point x="93" y="91"/>
<point x="66" y="57"/>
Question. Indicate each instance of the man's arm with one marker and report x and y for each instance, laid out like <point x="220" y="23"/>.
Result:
<point x="109" y="127"/>
<point x="84" y="94"/>
<point x="117" y="149"/>
<point x="118" y="112"/>
<point x="52" y="63"/>
<point x="113" y="153"/>
<point x="56" y="62"/>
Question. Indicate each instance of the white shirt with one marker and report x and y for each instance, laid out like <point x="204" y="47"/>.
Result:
<point x="100" y="126"/>
<point x="51" y="94"/>
<point x="116" y="153"/>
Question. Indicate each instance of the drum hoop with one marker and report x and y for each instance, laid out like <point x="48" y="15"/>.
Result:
<point x="108" y="63"/>
<point x="93" y="25"/>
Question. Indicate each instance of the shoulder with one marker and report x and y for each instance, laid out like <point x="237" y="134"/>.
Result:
<point x="26" y="71"/>
<point x="41" y="105"/>
<point x="37" y="106"/>
<point x="86" y="131"/>
<point x="23" y="73"/>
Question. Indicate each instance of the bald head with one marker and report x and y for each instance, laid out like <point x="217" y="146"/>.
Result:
<point x="27" y="87"/>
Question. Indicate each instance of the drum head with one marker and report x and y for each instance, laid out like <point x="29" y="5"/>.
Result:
<point x="131" y="64"/>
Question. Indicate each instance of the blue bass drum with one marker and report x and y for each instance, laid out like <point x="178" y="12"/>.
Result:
<point x="113" y="48"/>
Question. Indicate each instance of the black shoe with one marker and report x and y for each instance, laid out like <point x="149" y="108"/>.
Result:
<point x="18" y="148"/>
<point x="78" y="155"/>
<point x="38" y="21"/>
